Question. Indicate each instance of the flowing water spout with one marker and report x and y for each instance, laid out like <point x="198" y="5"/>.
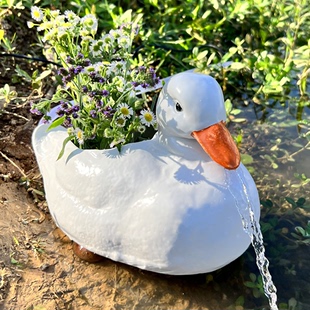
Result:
<point x="252" y="228"/>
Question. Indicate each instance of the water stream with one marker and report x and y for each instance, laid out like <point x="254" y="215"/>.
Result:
<point x="252" y="228"/>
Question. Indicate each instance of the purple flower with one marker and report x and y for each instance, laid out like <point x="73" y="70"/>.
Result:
<point x="45" y="120"/>
<point x="86" y="62"/>
<point x="75" y="115"/>
<point x="135" y="84"/>
<point x="71" y="70"/>
<point x="105" y="93"/>
<point x="145" y="85"/>
<point x="76" y="108"/>
<point x="84" y="89"/>
<point x="67" y="78"/>
<point x="62" y="71"/>
<point x="60" y="112"/>
<point x="108" y="112"/>
<point x="69" y="111"/>
<point x="69" y="60"/>
<point x="141" y="69"/>
<point x="34" y="110"/>
<point x="93" y="75"/>
<point x="93" y="113"/>
<point x="63" y="105"/>
<point x="92" y="94"/>
<point x="67" y="122"/>
<point x="99" y="104"/>
<point x="80" y="55"/>
<point x="78" y="69"/>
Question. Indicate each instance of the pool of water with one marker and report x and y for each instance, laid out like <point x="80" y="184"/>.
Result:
<point x="280" y="168"/>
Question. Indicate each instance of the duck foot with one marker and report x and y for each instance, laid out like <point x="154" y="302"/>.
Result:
<point x="86" y="255"/>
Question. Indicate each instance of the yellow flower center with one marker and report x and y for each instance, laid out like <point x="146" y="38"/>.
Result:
<point x="124" y="111"/>
<point x="36" y="14"/>
<point x="148" y="117"/>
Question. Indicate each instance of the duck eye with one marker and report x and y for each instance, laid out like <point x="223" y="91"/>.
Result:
<point x="178" y="107"/>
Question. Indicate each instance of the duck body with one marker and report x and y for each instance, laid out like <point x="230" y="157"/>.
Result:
<point x="162" y="205"/>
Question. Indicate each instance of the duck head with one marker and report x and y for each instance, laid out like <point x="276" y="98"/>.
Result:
<point x="191" y="105"/>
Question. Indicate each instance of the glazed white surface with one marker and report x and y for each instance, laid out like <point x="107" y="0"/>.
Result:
<point x="162" y="205"/>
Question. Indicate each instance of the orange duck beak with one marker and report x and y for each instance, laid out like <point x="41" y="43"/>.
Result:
<point x="218" y="143"/>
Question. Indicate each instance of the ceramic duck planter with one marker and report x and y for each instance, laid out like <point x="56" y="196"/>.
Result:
<point x="162" y="205"/>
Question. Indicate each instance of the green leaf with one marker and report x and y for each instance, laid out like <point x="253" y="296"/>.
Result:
<point x="14" y="261"/>
<point x="300" y="202"/>
<point x="240" y="301"/>
<point x="246" y="159"/>
<point x="202" y="55"/>
<point x="267" y="203"/>
<point x="57" y="122"/>
<point x="43" y="75"/>
<point x="23" y="73"/>
<point x="69" y="138"/>
<point x="228" y="106"/>
<point x="291" y="201"/>
<point x="250" y="284"/>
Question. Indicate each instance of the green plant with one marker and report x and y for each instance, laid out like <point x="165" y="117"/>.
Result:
<point x="7" y="94"/>
<point x="98" y="100"/>
<point x="256" y="285"/>
<point x="6" y="43"/>
<point x="35" y="79"/>
<point x="303" y="233"/>
<point x="300" y="203"/>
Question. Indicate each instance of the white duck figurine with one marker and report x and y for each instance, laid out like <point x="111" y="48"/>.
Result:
<point x="164" y="204"/>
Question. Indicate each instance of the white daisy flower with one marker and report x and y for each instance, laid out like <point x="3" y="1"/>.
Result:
<point x="72" y="17"/>
<point x="61" y="32"/>
<point x="108" y="39"/>
<point x="90" y="22"/>
<point x="125" y="110"/>
<point x="120" y="121"/>
<point x="90" y="69"/>
<point x="96" y="47"/>
<point x="99" y="66"/>
<point x="36" y="13"/>
<point x="124" y="41"/>
<point x="60" y="20"/>
<point x="79" y="135"/>
<point x="141" y="129"/>
<point x="55" y="13"/>
<point x="84" y="33"/>
<point x="112" y="68"/>
<point x="121" y="66"/>
<point x="115" y="33"/>
<point x="147" y="118"/>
